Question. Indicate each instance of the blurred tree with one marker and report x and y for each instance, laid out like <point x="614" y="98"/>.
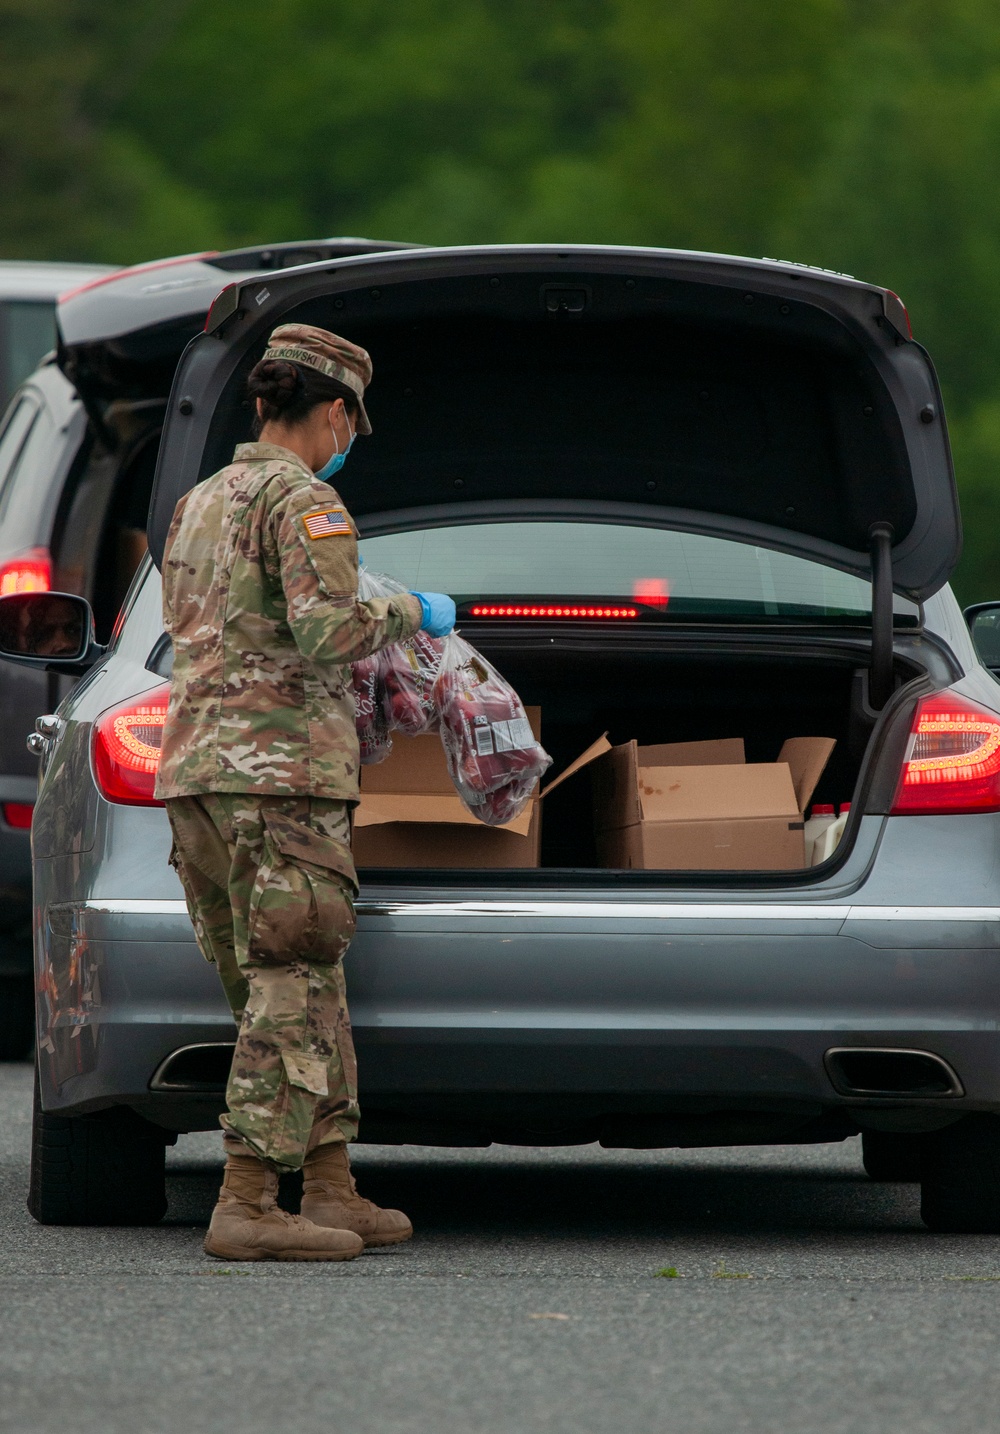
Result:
<point x="975" y="441"/>
<point x="717" y="125"/>
<point x="73" y="188"/>
<point x="414" y="118"/>
<point x="905" y="190"/>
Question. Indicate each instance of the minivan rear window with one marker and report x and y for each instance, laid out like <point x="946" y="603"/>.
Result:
<point x="676" y="574"/>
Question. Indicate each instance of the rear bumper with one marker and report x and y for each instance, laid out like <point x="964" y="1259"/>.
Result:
<point x="633" y="1022"/>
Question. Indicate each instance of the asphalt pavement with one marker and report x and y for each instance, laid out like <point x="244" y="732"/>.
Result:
<point x="576" y="1289"/>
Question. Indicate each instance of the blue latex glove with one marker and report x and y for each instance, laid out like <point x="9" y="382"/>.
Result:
<point x="439" y="613"/>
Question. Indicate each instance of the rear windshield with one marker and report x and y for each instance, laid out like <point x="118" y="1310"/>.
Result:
<point x="669" y="573"/>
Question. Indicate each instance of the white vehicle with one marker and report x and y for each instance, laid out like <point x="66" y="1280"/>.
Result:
<point x="28" y="294"/>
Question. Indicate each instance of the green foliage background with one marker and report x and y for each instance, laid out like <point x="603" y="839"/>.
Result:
<point x="860" y="135"/>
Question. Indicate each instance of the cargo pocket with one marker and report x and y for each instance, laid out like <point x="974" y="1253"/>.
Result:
<point x="281" y="920"/>
<point x="306" y="1072"/>
<point x="301" y="907"/>
<point x="336" y="919"/>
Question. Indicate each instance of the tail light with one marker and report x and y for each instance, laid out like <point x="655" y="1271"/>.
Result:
<point x="18" y="815"/>
<point x="27" y="572"/>
<point x="952" y="760"/>
<point x="127" y="742"/>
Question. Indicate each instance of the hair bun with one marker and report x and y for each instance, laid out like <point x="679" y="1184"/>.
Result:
<point x="279" y="383"/>
<point x="284" y="392"/>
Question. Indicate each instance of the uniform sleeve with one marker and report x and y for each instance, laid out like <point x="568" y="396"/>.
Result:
<point x="317" y="553"/>
<point x="167" y="570"/>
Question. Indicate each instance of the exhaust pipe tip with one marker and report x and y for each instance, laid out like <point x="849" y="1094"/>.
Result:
<point x="201" y="1069"/>
<point x="890" y="1072"/>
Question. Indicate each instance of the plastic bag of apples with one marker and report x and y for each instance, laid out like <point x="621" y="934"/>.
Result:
<point x="424" y="684"/>
<point x="494" y="758"/>
<point x="392" y="688"/>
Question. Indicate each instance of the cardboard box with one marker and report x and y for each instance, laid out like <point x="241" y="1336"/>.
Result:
<point x="411" y="815"/>
<point x="699" y="806"/>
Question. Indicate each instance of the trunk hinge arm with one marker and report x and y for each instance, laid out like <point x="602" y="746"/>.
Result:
<point x="880" y="682"/>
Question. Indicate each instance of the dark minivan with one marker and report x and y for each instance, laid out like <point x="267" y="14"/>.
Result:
<point x="78" y="446"/>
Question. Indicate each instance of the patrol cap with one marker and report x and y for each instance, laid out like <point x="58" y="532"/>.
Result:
<point x="327" y="353"/>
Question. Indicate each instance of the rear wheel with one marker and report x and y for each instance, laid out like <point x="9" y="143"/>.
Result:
<point x="889" y="1156"/>
<point x="960" y="1186"/>
<point x="101" y="1169"/>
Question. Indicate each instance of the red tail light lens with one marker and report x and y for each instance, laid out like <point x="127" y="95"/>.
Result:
<point x="952" y="761"/>
<point x="18" y="815"/>
<point x="127" y="743"/>
<point x="27" y="572"/>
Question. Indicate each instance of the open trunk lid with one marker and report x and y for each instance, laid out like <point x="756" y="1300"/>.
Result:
<point x="773" y="403"/>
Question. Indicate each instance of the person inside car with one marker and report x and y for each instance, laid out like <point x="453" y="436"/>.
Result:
<point x="259" y="772"/>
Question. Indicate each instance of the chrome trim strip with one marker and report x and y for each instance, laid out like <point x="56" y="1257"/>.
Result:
<point x="123" y="906"/>
<point x="608" y="910"/>
<point x="595" y="910"/>
<point x="924" y="913"/>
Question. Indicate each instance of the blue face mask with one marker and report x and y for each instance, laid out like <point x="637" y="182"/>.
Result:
<point x="336" y="460"/>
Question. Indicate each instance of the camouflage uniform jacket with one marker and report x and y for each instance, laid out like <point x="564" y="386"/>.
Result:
<point x="260" y="582"/>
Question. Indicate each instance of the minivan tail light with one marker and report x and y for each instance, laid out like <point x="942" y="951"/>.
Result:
<point x="127" y="742"/>
<point x="18" y="815"/>
<point x="27" y="572"/>
<point x="952" y="761"/>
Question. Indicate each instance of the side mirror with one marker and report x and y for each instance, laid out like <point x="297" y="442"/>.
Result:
<point x="984" y="626"/>
<point x="50" y="630"/>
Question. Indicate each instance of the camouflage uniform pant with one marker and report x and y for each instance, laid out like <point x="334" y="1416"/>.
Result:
<point x="269" y="887"/>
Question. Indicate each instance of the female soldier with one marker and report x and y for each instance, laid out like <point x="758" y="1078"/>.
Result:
<point x="259" y="771"/>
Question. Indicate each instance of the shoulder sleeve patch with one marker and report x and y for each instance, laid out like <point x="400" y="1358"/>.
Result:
<point x="328" y="524"/>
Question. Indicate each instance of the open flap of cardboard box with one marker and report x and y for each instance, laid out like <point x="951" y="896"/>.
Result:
<point x="412" y="785"/>
<point x="595" y="750"/>
<point x="807" y="758"/>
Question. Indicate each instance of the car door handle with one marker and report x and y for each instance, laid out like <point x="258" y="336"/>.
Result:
<point x="48" y="725"/>
<point x="47" y="729"/>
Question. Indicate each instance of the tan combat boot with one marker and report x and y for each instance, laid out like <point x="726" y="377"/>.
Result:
<point x="330" y="1199"/>
<point x="247" y="1224"/>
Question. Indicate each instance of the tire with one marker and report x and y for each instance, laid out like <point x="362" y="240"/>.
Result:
<point x="102" y="1169"/>
<point x="17" y="1017"/>
<point x="888" y="1156"/>
<point x="960" y="1188"/>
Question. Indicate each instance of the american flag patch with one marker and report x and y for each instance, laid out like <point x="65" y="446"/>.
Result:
<point x="326" y="525"/>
